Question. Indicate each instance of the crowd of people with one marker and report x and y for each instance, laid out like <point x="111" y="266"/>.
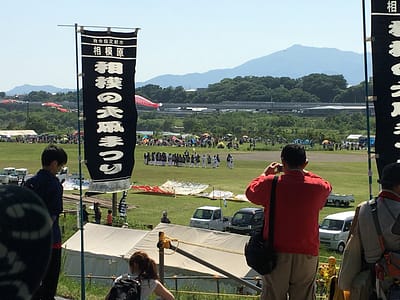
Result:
<point x="185" y="159"/>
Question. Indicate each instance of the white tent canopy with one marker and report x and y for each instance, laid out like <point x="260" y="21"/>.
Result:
<point x="18" y="132"/>
<point x="353" y="137"/>
<point x="203" y="244"/>
<point x="107" y="250"/>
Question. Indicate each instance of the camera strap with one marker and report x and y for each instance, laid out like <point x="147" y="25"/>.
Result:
<point x="271" y="221"/>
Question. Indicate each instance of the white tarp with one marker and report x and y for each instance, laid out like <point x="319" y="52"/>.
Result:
<point x="217" y="194"/>
<point x="183" y="188"/>
<point x="71" y="184"/>
<point x="107" y="250"/>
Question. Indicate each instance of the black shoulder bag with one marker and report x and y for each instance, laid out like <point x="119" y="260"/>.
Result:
<point x="125" y="289"/>
<point x="260" y="253"/>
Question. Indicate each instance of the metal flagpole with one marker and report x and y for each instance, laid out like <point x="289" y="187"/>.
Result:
<point x="80" y="168"/>
<point x="80" y="160"/>
<point x="366" y="100"/>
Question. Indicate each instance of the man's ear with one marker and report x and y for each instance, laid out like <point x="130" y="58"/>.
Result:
<point x="305" y="164"/>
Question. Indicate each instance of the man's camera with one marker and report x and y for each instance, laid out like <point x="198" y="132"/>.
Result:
<point x="279" y="168"/>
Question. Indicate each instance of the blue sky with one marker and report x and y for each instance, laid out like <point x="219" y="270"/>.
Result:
<point x="176" y="36"/>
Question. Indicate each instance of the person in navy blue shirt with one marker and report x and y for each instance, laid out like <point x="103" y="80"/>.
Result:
<point x="46" y="184"/>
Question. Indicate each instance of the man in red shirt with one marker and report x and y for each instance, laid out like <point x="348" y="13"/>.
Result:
<point x="300" y="195"/>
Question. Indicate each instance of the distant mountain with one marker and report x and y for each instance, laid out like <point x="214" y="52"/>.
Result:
<point x="294" y="62"/>
<point x="27" y="88"/>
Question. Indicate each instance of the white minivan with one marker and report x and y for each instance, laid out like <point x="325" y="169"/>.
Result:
<point x="334" y="230"/>
<point x="209" y="217"/>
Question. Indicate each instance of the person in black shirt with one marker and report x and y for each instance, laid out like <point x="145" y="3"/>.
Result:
<point x="85" y="214"/>
<point x="47" y="186"/>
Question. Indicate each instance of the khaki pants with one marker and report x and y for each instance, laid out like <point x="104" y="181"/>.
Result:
<point x="293" y="278"/>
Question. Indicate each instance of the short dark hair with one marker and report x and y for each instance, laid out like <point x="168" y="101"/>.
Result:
<point x="390" y="176"/>
<point x="52" y="153"/>
<point x="294" y="155"/>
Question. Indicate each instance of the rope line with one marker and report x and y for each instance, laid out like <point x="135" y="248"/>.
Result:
<point x="204" y="246"/>
<point x="212" y="248"/>
<point x="223" y="250"/>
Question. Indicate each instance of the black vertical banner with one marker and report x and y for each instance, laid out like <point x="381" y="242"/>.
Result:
<point x="386" y="80"/>
<point x="108" y="67"/>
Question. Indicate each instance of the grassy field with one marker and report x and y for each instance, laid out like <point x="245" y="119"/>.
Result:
<point x="347" y="176"/>
<point x="347" y="173"/>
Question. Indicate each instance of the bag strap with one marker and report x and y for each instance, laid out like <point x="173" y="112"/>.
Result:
<point x="396" y="225"/>
<point x="374" y="210"/>
<point x="272" y="211"/>
<point x="354" y="223"/>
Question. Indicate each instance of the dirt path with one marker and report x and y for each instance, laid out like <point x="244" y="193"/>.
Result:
<point x="329" y="156"/>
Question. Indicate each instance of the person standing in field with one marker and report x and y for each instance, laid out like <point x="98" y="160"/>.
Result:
<point x="85" y="214"/>
<point x="97" y="212"/>
<point x="300" y="195"/>
<point x="109" y="217"/>
<point x="47" y="186"/>
<point x="164" y="218"/>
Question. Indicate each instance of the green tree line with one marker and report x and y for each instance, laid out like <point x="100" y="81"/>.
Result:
<point x="267" y="127"/>
<point x="310" y="88"/>
<point x="272" y="127"/>
<point x="28" y="114"/>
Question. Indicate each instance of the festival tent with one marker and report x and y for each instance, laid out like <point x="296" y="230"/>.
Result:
<point x="353" y="137"/>
<point x="107" y="250"/>
<point x="10" y="133"/>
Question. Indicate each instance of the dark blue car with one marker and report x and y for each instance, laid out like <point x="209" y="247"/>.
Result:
<point x="247" y="221"/>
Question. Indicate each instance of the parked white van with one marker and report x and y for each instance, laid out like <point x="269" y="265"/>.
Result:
<point x="209" y="217"/>
<point x="334" y="230"/>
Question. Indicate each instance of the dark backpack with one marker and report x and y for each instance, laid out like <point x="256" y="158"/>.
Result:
<point x="125" y="289"/>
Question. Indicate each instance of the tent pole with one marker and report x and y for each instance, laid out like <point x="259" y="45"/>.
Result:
<point x="160" y="246"/>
